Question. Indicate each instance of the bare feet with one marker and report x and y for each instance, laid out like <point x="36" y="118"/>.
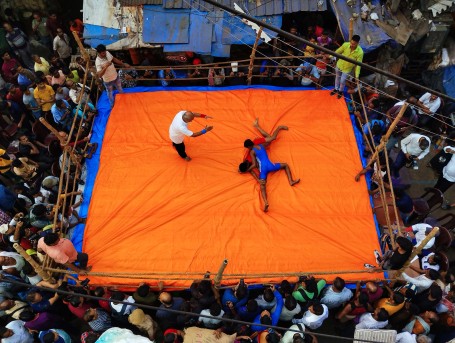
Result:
<point x="266" y="207"/>
<point x="188" y="158"/>
<point x="283" y="127"/>
<point x="293" y="182"/>
<point x="256" y="122"/>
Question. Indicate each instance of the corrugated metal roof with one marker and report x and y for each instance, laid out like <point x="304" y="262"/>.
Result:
<point x="255" y="8"/>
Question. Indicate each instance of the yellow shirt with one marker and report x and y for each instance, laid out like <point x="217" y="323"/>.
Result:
<point x="390" y="308"/>
<point x="4" y="163"/>
<point x="357" y="54"/>
<point x="45" y="95"/>
<point x="44" y="66"/>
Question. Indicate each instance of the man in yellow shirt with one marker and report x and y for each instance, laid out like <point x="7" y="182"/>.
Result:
<point x="343" y="68"/>
<point x="44" y="95"/>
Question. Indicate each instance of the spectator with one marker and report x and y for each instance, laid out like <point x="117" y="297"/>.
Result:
<point x="8" y="65"/>
<point x="376" y="320"/>
<point x="447" y="177"/>
<point x="164" y="318"/>
<point x="429" y="105"/>
<point x="54" y="335"/>
<point x="15" y="332"/>
<point x="144" y="323"/>
<point x="307" y="289"/>
<point x="44" y="95"/>
<point x="62" y="251"/>
<point x="76" y="25"/>
<point x="98" y="319"/>
<point x="336" y="295"/>
<point x="53" y="22"/>
<point x="394" y="260"/>
<point x="41" y="64"/>
<point x="216" y="76"/>
<point x="128" y="77"/>
<point x="315" y="316"/>
<point x="106" y="70"/>
<point x="18" y="41"/>
<point x="414" y="147"/>
<point x="166" y="76"/>
<point x="40" y="30"/>
<point x="308" y="72"/>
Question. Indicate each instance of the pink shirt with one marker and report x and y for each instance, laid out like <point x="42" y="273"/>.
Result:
<point x="63" y="252"/>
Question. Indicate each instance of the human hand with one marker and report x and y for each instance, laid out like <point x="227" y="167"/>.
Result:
<point x="126" y="65"/>
<point x="208" y="128"/>
<point x="265" y="313"/>
<point x="357" y="178"/>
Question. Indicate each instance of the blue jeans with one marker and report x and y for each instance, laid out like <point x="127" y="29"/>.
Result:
<point x="110" y="89"/>
<point x="340" y="79"/>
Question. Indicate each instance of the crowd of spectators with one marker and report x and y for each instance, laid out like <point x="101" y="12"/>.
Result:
<point x="419" y="306"/>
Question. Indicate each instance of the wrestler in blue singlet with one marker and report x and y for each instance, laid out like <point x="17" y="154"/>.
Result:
<point x="265" y="166"/>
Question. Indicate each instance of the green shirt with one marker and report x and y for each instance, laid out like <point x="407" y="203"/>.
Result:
<point x="357" y="54"/>
<point x="41" y="29"/>
<point x="298" y="296"/>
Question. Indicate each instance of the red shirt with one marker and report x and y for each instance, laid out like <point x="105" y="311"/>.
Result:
<point x="79" y="311"/>
<point x="256" y="141"/>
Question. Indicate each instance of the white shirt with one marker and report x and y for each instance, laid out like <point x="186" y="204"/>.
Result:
<point x="20" y="263"/>
<point x="410" y="145"/>
<point x="406" y="337"/>
<point x="333" y="299"/>
<point x="368" y="322"/>
<point x="449" y="170"/>
<point x="21" y="334"/>
<point x="286" y="315"/>
<point x="128" y="308"/>
<point x="426" y="265"/>
<point x="421" y="282"/>
<point x="288" y="336"/>
<point x="314" y="321"/>
<point x="110" y="73"/>
<point x="62" y="46"/>
<point x="179" y="129"/>
<point x="210" y="321"/>
<point x="420" y="234"/>
<point x="433" y="106"/>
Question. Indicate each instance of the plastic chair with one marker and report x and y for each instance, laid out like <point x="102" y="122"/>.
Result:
<point x="448" y="221"/>
<point x="419" y="212"/>
<point x="443" y="241"/>
<point x="434" y="198"/>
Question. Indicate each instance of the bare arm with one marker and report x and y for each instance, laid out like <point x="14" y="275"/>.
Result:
<point x="53" y="299"/>
<point x="253" y="161"/>
<point x="200" y="133"/>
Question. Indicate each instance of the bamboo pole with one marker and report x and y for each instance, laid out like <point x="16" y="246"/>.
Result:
<point x="417" y="251"/>
<point x="219" y="275"/>
<point x="252" y="56"/>
<point x="351" y="28"/>
<point x="385" y="138"/>
<point x="38" y="269"/>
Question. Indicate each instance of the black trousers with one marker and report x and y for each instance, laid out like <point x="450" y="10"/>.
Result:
<point x="443" y="184"/>
<point x="82" y="258"/>
<point x="180" y="149"/>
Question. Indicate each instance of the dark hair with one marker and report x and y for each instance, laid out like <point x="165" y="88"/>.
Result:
<point x="435" y="292"/>
<point x="204" y="287"/>
<point x="252" y="306"/>
<point x="409" y="293"/>
<point x="170" y="337"/>
<point x="66" y="70"/>
<point x="23" y="88"/>
<point x="285" y="287"/>
<point x="98" y="292"/>
<point x="268" y="295"/>
<point x="383" y="315"/>
<point x="433" y="274"/>
<point x="423" y="143"/>
<point x="266" y="320"/>
<point x="3" y="330"/>
<point x="339" y="283"/>
<point x="48" y="337"/>
<point x="143" y="290"/>
<point x="243" y="167"/>
<point x="449" y="278"/>
<point x="101" y="48"/>
<point x="75" y="300"/>
<point x="118" y="296"/>
<point x="59" y="102"/>
<point x="27" y="315"/>
<point x="356" y="38"/>
<point x="55" y="87"/>
<point x="39" y="210"/>
<point x="298" y="339"/>
<point x="91" y="337"/>
<point x="51" y="238"/>
<point x="241" y="291"/>
<point x="248" y="143"/>
<point x="272" y="337"/>
<point x="363" y="298"/>
<point x="31" y="295"/>
<point x="27" y="268"/>
<point x="398" y="298"/>
<point x="318" y="309"/>
<point x="404" y="243"/>
<point x="215" y="309"/>
<point x="290" y="303"/>
<point x="16" y="163"/>
<point x="52" y="70"/>
<point x="311" y="286"/>
<point x="376" y="129"/>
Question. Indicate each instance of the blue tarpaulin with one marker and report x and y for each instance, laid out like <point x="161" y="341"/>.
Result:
<point x="449" y="81"/>
<point x="367" y="30"/>
<point x="95" y="35"/>
<point x="165" y="26"/>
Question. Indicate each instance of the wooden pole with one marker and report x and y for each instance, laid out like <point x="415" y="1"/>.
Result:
<point x="219" y="275"/>
<point x="351" y="28"/>
<point x="417" y="251"/>
<point x="252" y="56"/>
<point x="385" y="138"/>
<point x="39" y="270"/>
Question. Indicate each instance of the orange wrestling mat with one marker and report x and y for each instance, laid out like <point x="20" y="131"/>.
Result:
<point x="152" y="212"/>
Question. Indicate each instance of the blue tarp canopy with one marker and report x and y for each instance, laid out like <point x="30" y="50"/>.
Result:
<point x="95" y="35"/>
<point x="206" y="33"/>
<point x="367" y="30"/>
